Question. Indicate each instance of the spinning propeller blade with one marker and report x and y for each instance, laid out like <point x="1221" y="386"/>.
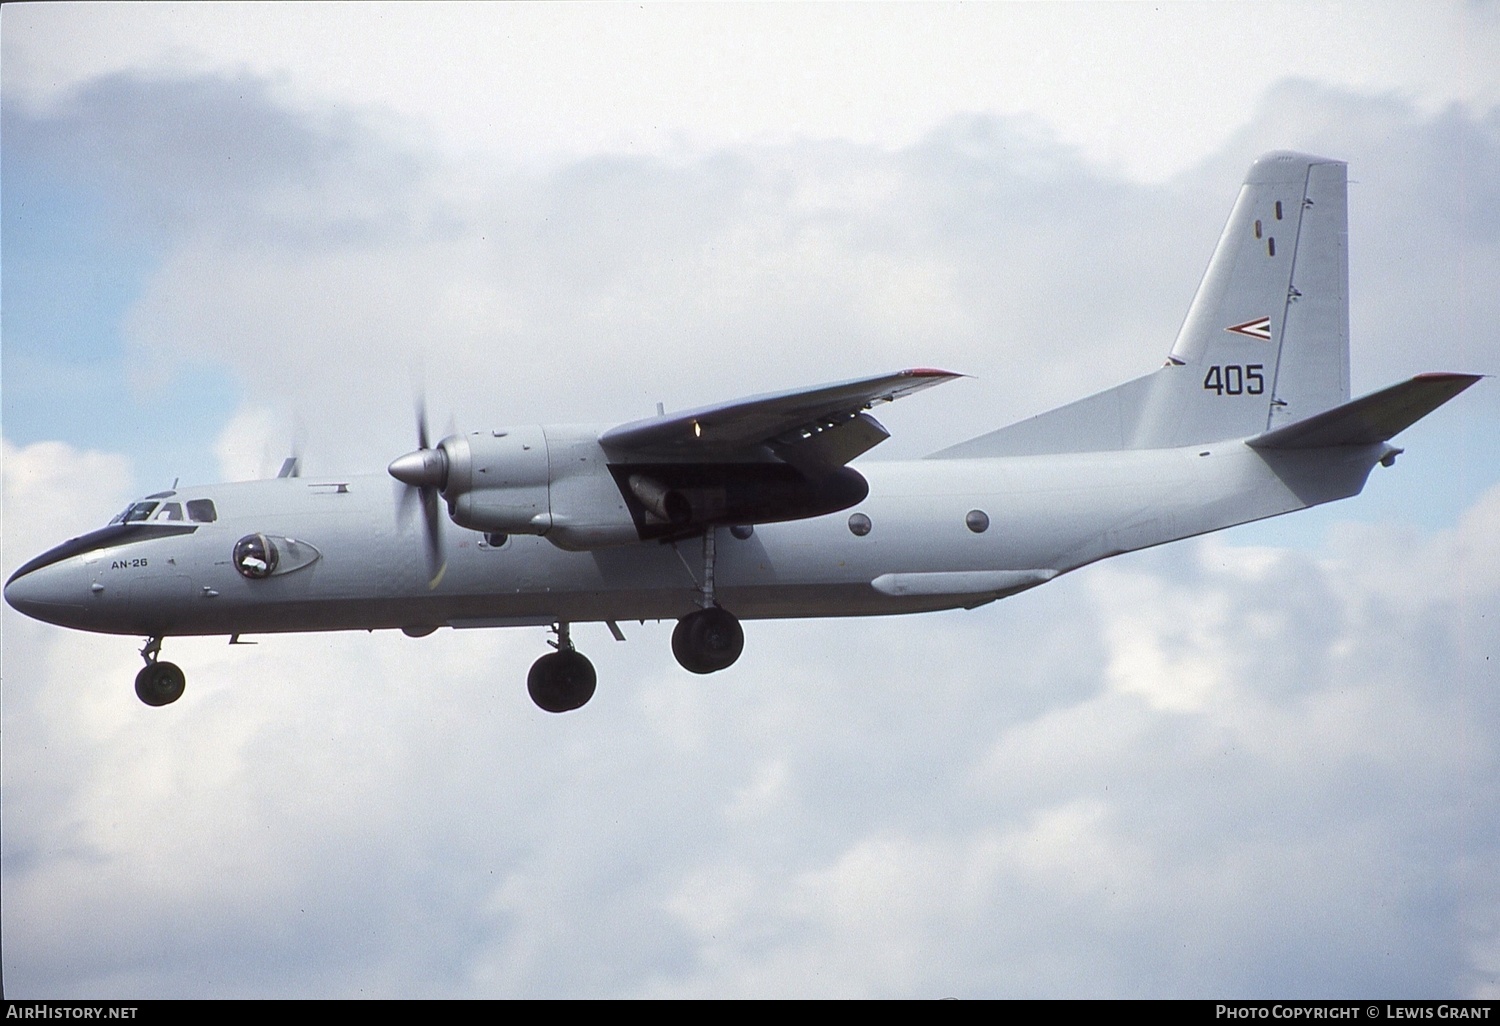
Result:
<point x="425" y="473"/>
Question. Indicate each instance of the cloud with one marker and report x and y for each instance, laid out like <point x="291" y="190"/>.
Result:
<point x="41" y="493"/>
<point x="244" y="447"/>
<point x="593" y="289"/>
<point x="1127" y="85"/>
<point x="322" y="264"/>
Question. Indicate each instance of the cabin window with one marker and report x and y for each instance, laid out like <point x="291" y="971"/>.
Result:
<point x="859" y="524"/>
<point x="1257" y="229"/>
<point x="1271" y="246"/>
<point x="1278" y="210"/>
<point x="977" y="520"/>
<point x="201" y="511"/>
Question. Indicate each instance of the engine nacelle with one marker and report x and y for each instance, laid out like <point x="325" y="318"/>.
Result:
<point x="561" y="483"/>
<point x="499" y="481"/>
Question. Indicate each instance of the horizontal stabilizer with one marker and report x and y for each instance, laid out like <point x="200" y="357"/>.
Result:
<point x="1370" y="419"/>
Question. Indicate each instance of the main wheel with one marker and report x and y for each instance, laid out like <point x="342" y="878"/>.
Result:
<point x="561" y="681"/>
<point x="160" y="683"/>
<point x="708" y="641"/>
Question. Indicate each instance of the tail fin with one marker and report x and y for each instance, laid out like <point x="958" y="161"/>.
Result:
<point x="1265" y="342"/>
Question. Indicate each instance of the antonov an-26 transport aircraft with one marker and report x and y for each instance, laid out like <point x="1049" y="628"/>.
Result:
<point x="750" y="509"/>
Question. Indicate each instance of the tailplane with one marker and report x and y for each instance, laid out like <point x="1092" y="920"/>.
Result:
<point x="1371" y="419"/>
<point x="1265" y="343"/>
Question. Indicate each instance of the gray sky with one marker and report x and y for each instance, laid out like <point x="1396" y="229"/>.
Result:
<point x="1257" y="764"/>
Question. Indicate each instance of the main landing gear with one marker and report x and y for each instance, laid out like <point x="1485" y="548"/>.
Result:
<point x="563" y="680"/>
<point x="710" y="639"/>
<point x="707" y="640"/>
<point x="158" y="683"/>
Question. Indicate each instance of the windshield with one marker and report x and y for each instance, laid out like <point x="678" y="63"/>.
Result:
<point x="135" y="513"/>
<point x="199" y="511"/>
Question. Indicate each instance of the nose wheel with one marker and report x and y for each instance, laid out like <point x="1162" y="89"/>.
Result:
<point x="158" y="683"/>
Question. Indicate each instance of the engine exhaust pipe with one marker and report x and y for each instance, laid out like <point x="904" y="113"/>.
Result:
<point x="663" y="502"/>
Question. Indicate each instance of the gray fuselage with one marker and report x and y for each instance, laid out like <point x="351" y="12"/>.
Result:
<point x="1046" y="515"/>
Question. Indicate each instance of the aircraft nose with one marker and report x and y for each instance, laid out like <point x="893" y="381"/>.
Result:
<point x="44" y="594"/>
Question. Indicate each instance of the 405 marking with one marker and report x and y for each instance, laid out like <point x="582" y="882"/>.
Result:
<point x="1233" y="379"/>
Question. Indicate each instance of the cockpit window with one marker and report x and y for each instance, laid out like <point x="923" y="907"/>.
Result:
<point x="136" y="512"/>
<point x="201" y="511"/>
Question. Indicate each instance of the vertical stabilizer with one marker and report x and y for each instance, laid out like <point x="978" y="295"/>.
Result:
<point x="1265" y="342"/>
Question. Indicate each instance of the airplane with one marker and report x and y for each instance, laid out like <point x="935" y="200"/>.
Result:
<point x="750" y="509"/>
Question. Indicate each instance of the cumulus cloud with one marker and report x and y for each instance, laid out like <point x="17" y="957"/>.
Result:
<point x="326" y="265"/>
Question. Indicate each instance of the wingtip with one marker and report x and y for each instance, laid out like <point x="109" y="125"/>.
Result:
<point x="1450" y="376"/>
<point x="930" y="372"/>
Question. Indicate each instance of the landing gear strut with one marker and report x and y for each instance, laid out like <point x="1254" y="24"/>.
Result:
<point x="563" y="680"/>
<point x="158" y="683"/>
<point x="711" y="638"/>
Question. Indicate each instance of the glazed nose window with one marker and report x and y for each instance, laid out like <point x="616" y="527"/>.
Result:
<point x="255" y="556"/>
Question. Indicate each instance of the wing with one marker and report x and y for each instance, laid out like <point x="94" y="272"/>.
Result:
<point x="813" y="429"/>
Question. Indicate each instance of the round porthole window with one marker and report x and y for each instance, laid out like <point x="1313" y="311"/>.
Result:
<point x="977" y="520"/>
<point x="255" y="556"/>
<point x="859" y="524"/>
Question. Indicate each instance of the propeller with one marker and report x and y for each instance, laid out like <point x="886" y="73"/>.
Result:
<point x="425" y="473"/>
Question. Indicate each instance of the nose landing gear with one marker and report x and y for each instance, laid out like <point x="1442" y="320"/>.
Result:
<point x="158" y="683"/>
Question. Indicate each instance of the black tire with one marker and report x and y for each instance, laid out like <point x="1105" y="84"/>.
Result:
<point x="561" y="681"/>
<point x="160" y="683"/>
<point x="708" y="641"/>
